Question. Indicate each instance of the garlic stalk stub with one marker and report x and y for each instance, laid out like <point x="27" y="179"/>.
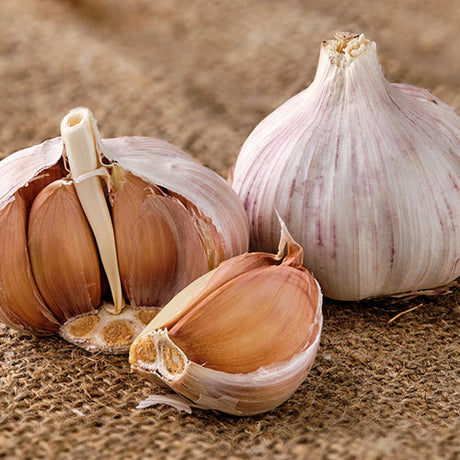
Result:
<point x="81" y="140"/>
<point x="239" y="339"/>
<point x="98" y="235"/>
<point x="366" y="175"/>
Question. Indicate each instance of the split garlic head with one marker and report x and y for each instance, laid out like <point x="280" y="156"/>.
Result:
<point x="96" y="236"/>
<point x="239" y="339"/>
<point x="366" y="175"/>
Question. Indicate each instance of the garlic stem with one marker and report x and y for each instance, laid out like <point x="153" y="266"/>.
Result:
<point x="81" y="139"/>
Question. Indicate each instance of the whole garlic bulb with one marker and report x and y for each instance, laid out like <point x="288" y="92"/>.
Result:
<point x="97" y="235"/>
<point x="239" y="339"/>
<point x="366" y="175"/>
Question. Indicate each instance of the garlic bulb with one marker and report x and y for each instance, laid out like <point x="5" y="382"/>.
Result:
<point x="239" y="339"/>
<point x="366" y="175"/>
<point x="97" y="236"/>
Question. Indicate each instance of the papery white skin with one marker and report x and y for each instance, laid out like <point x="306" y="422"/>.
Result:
<point x="155" y="161"/>
<point x="18" y="169"/>
<point x="366" y="175"/>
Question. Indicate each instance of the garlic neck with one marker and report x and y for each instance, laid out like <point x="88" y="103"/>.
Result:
<point x="349" y="62"/>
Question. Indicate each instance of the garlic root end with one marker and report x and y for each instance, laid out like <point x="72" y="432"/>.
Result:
<point x="101" y="331"/>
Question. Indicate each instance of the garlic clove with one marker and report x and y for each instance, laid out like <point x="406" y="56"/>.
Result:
<point x="158" y="358"/>
<point x="197" y="291"/>
<point x="365" y="173"/>
<point x="252" y="321"/>
<point x="211" y="239"/>
<point x="242" y="344"/>
<point x="159" y="248"/>
<point x="63" y="253"/>
<point x="21" y="305"/>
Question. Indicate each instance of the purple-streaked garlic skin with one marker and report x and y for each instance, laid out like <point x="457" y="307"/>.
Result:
<point x="366" y="175"/>
<point x="201" y="196"/>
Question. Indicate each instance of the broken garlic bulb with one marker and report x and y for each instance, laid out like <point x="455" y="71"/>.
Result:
<point x="239" y="339"/>
<point x="366" y="175"/>
<point x="96" y="236"/>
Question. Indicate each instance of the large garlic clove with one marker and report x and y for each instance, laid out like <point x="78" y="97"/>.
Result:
<point x="366" y="175"/>
<point x="63" y="253"/>
<point x="159" y="247"/>
<point x="256" y="320"/>
<point x="21" y="305"/>
<point x="242" y="344"/>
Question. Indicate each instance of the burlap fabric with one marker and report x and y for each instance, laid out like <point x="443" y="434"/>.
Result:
<point x="201" y="74"/>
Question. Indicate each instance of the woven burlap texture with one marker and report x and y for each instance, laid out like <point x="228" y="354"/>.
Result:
<point x="201" y="74"/>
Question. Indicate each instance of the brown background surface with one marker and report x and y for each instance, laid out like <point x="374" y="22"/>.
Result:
<point x="201" y="74"/>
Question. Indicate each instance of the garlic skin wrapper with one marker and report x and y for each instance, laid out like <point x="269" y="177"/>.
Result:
<point x="96" y="236"/>
<point x="366" y="175"/>
<point x="239" y="339"/>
